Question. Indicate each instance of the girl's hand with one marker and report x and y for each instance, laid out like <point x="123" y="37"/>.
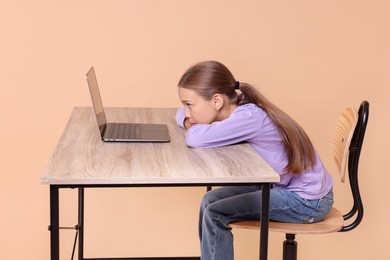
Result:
<point x="187" y="123"/>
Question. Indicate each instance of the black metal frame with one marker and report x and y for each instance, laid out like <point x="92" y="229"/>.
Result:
<point x="353" y="164"/>
<point x="290" y="246"/>
<point x="55" y="227"/>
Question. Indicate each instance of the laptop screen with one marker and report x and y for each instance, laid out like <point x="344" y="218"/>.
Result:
<point x="96" y="99"/>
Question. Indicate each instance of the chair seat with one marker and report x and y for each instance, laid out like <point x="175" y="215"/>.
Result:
<point x="332" y="223"/>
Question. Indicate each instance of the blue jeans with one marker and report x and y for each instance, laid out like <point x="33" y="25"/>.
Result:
<point x="222" y="206"/>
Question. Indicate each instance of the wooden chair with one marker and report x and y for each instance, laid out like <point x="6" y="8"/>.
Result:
<point x="347" y="145"/>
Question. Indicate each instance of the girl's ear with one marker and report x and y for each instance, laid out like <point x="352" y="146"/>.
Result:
<point x="218" y="101"/>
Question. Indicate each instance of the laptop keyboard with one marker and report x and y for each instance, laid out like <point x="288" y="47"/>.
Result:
<point x="124" y="131"/>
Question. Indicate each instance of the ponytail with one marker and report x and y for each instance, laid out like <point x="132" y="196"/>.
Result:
<point x="297" y="144"/>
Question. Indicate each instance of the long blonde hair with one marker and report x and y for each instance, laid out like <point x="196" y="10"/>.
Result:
<point x="211" y="77"/>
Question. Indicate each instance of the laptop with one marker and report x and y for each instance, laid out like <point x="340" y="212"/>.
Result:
<point x="122" y="132"/>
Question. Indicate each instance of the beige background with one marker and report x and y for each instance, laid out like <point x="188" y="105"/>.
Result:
<point x="312" y="58"/>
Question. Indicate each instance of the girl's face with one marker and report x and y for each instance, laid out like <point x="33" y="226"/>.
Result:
<point x="198" y="110"/>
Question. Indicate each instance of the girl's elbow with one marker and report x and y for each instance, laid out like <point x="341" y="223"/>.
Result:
<point x="191" y="142"/>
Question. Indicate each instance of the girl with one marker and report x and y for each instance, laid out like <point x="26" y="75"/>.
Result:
<point x="214" y="114"/>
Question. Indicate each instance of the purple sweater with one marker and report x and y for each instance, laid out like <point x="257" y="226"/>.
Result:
<point x="249" y="123"/>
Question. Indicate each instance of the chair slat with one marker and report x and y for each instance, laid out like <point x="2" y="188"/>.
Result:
<point x="332" y="223"/>
<point x="342" y="139"/>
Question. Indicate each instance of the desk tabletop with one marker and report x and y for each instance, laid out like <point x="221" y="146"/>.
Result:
<point x="81" y="157"/>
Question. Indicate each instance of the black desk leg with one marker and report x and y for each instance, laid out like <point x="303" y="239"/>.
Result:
<point x="265" y="191"/>
<point x="81" y="223"/>
<point x="54" y="223"/>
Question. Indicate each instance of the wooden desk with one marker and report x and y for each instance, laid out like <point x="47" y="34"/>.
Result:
<point x="81" y="160"/>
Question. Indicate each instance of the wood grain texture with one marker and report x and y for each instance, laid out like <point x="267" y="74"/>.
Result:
<point x="342" y="139"/>
<point x="81" y="157"/>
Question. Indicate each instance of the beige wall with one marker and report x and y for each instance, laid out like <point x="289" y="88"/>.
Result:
<point x="312" y="58"/>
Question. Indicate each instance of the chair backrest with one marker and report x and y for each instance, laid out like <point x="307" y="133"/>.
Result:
<point x="348" y="142"/>
<point x="342" y="139"/>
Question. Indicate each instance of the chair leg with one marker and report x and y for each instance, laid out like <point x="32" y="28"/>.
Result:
<point x="290" y="248"/>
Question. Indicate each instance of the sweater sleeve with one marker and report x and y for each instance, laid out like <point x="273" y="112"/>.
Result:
<point x="242" y="125"/>
<point x="180" y="116"/>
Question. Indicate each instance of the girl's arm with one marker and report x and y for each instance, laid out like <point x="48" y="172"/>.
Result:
<point x="180" y="117"/>
<point x="242" y="125"/>
<point x="181" y="120"/>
